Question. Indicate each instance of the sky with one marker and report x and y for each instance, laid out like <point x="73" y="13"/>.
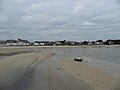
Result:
<point x="60" y="19"/>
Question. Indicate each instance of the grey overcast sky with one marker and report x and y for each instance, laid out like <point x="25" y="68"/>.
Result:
<point x="60" y="19"/>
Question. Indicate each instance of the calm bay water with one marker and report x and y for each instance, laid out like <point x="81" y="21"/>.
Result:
<point x="107" y="59"/>
<point x="107" y="54"/>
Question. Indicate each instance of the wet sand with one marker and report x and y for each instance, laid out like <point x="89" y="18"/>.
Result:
<point x="13" y="67"/>
<point x="18" y="63"/>
<point x="34" y="71"/>
<point x="97" y="79"/>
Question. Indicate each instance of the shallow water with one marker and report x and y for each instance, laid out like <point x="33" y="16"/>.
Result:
<point x="108" y="54"/>
<point x="107" y="59"/>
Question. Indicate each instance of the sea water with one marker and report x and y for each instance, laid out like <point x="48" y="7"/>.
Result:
<point x="107" y="59"/>
<point x="108" y="54"/>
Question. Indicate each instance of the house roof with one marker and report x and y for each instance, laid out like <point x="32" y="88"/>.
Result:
<point x="24" y="41"/>
<point x="11" y="41"/>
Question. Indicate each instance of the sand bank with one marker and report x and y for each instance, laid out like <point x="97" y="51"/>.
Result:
<point x="95" y="78"/>
<point x="14" y="50"/>
<point x="13" y="67"/>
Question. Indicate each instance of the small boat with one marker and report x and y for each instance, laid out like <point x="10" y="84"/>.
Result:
<point x="78" y="59"/>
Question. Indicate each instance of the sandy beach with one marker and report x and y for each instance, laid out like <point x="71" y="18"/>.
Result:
<point x="19" y="60"/>
<point x="97" y="79"/>
<point x="13" y="67"/>
<point x="34" y="71"/>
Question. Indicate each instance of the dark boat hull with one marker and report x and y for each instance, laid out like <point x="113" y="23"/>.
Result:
<point x="79" y="60"/>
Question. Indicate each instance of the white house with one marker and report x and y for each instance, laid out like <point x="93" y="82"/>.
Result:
<point x="17" y="42"/>
<point x="36" y="44"/>
<point x="42" y="43"/>
<point x="99" y="43"/>
<point x="57" y="43"/>
<point x="11" y="42"/>
<point x="23" y="42"/>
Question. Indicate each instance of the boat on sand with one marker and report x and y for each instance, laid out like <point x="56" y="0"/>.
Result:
<point x="79" y="59"/>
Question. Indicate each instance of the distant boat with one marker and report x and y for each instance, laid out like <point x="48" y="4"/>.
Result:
<point x="78" y="59"/>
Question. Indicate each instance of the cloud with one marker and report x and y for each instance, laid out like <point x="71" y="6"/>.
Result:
<point x="87" y="23"/>
<point x="59" y="19"/>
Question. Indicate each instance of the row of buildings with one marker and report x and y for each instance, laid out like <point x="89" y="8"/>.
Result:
<point x="20" y="42"/>
<point x="15" y="42"/>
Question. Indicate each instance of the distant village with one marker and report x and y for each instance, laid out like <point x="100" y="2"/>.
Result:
<point x="21" y="42"/>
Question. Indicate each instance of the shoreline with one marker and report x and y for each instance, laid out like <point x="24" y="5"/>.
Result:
<point x="109" y="67"/>
<point x="80" y="46"/>
<point x="94" y="77"/>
